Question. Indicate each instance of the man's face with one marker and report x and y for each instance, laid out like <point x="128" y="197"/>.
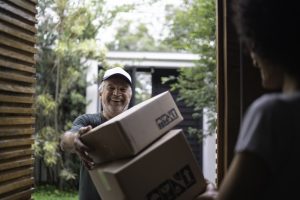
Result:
<point x="115" y="96"/>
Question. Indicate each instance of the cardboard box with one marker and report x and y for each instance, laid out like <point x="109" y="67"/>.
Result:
<point x="166" y="170"/>
<point x="133" y="130"/>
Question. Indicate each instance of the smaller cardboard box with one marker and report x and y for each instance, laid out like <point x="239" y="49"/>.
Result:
<point x="133" y="130"/>
<point x="165" y="170"/>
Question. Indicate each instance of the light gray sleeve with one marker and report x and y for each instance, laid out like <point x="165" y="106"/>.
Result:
<point x="255" y="130"/>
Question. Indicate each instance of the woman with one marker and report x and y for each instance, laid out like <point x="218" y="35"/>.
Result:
<point x="265" y="165"/>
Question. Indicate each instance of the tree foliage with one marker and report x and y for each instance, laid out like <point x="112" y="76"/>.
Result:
<point x="193" y="30"/>
<point x="132" y="37"/>
<point x="66" y="39"/>
<point x="135" y="36"/>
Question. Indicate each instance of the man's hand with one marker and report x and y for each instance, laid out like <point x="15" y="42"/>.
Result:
<point x="81" y="149"/>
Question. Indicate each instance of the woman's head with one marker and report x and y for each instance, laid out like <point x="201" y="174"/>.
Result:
<point x="269" y="29"/>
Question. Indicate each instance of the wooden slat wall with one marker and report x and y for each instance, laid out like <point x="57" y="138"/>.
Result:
<point x="17" y="91"/>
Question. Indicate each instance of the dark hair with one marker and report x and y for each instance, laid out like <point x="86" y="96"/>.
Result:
<point x="270" y="27"/>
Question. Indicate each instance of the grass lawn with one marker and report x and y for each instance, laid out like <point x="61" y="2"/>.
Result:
<point x="52" y="193"/>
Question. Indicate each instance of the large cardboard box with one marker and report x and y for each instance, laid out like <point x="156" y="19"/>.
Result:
<point x="166" y="170"/>
<point x="133" y="130"/>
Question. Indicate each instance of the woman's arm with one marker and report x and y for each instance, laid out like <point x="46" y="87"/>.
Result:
<point x="246" y="179"/>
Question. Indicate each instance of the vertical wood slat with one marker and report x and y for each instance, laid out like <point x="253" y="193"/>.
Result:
<point x="17" y="91"/>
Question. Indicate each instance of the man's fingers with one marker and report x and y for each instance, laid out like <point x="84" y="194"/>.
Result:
<point x="84" y="156"/>
<point x="88" y="165"/>
<point x="88" y="161"/>
<point x="84" y="130"/>
<point x="79" y="146"/>
<point x="82" y="151"/>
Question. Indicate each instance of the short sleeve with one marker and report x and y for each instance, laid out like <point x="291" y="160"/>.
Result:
<point x="255" y="132"/>
<point x="86" y="120"/>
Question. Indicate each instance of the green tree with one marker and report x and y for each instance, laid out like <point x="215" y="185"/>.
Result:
<point x="130" y="37"/>
<point x="192" y="29"/>
<point x="136" y="37"/>
<point x="66" y="39"/>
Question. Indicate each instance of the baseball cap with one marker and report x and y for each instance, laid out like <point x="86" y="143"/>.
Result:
<point x="116" y="71"/>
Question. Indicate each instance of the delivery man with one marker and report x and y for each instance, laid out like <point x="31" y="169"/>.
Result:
<point x="115" y="94"/>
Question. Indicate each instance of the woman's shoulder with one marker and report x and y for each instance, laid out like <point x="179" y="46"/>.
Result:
<point x="275" y="103"/>
<point x="268" y="101"/>
<point x="265" y="102"/>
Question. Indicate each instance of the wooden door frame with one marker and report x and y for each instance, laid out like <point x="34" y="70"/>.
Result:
<point x="238" y="85"/>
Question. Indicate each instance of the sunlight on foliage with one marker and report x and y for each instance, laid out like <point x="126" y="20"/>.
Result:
<point x="45" y="104"/>
<point x="46" y="145"/>
<point x="67" y="174"/>
<point x="66" y="40"/>
<point x="193" y="30"/>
